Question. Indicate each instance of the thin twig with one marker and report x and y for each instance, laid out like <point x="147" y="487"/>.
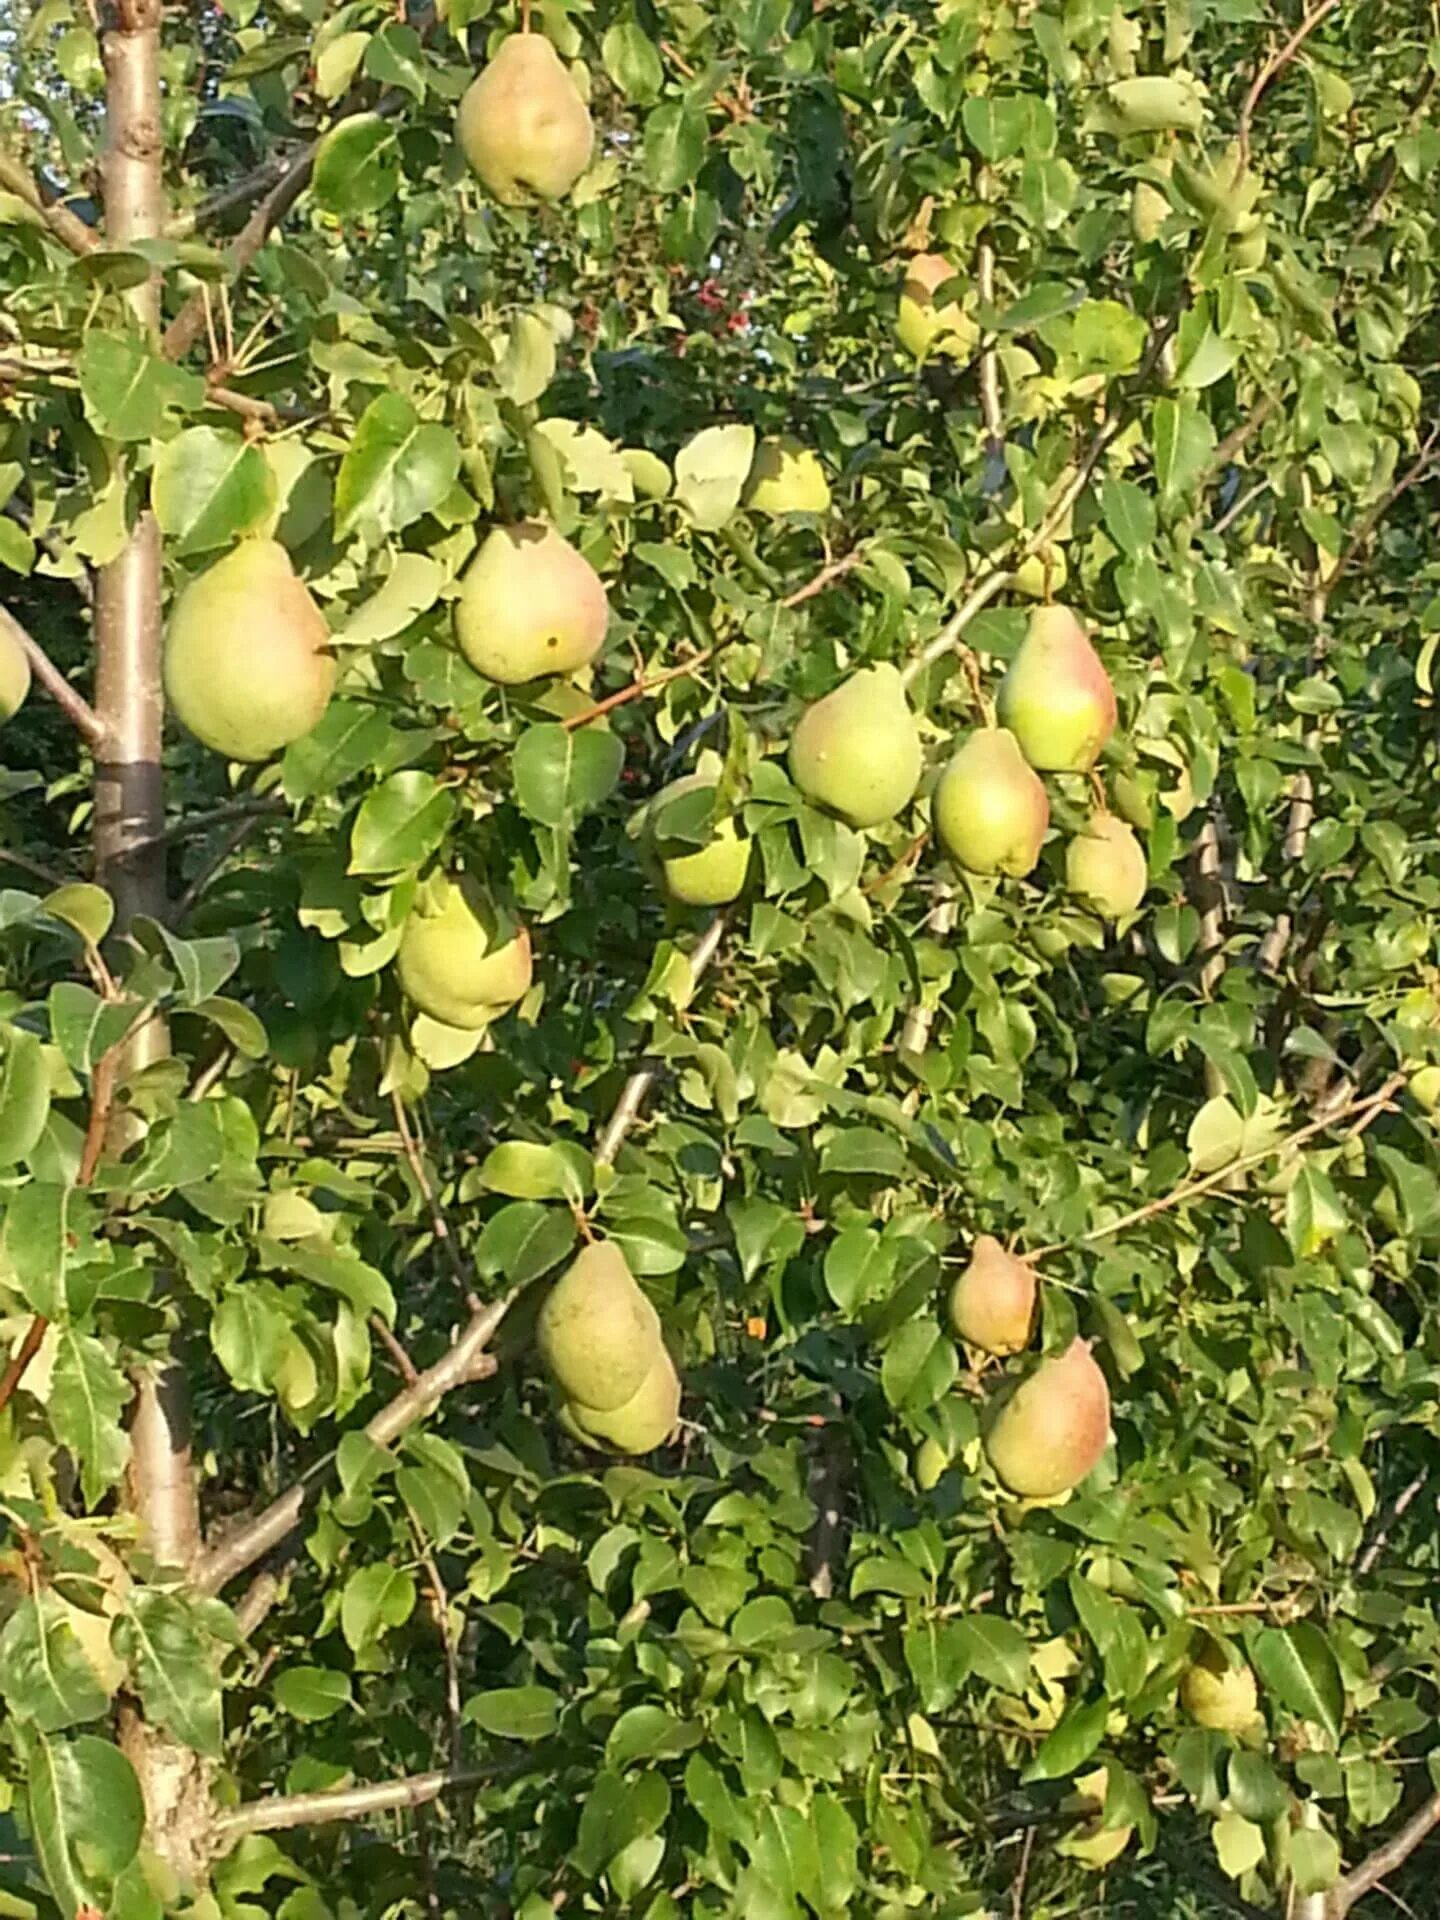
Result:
<point x="194" y="823"/>
<point x="225" y="200"/>
<point x="66" y="226"/>
<point x="1017" y="1890"/>
<point x="404" y="1365"/>
<point x="1210" y="903"/>
<point x="47" y="876"/>
<point x="439" y="1224"/>
<point x="1240" y="437"/>
<point x="24" y="1354"/>
<point x="1271" y="70"/>
<point x="345" y="1803"/>
<point x="639" y="689"/>
<point x="1384" y="1860"/>
<point x="231" y="844"/>
<point x="73" y="705"/>
<point x="1364" y="1110"/>
<point x="1408" y="1493"/>
<point x="990" y="408"/>
<point x="1424" y="462"/>
<point x="1392" y="162"/>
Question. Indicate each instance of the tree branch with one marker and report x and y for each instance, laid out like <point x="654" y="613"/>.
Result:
<point x="1384" y="1860"/>
<point x="1272" y="69"/>
<point x="68" y="228"/>
<point x="225" y="200"/>
<point x="194" y="823"/>
<point x="73" y="705"/>
<point x="345" y="1803"/>
<point x="1363" y="1111"/>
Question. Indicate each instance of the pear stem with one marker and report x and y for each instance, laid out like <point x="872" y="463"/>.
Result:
<point x="524" y="16"/>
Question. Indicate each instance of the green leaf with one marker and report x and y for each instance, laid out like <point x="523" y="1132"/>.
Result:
<point x="632" y="61"/>
<point x="674" y="149"/>
<point x="919" y="1366"/>
<point x="208" y="486"/>
<point x="86" y="1815"/>
<point x="859" y="1266"/>
<point x="523" y="1241"/>
<point x="357" y="166"/>
<point x="130" y="393"/>
<point x="515" y="1713"/>
<point x="396" y="58"/>
<point x="1130" y="518"/>
<point x="174" y="1666"/>
<point x="525" y="1171"/>
<point x="400" y="824"/>
<point x="24" y="1095"/>
<point x="45" y="1674"/>
<point x="1070" y="1742"/>
<point x="88" y="1393"/>
<point x="84" y="1026"/>
<point x="311" y="1693"/>
<point x="710" y="474"/>
<point x="248" y="1331"/>
<point x="1182" y="441"/>
<point x="1239" y="1844"/>
<point x="527" y="365"/>
<point x="396" y="468"/>
<point x="561" y="774"/>
<point x="1255" y="1789"/>
<point x="375" y="1599"/>
<point x="995" y="1649"/>
<point x="49" y="1231"/>
<point x="203" y="965"/>
<point x="1297" y="1665"/>
<point x="649" y="1732"/>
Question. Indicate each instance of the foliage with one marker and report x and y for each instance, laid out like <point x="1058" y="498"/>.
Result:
<point x="767" y="1671"/>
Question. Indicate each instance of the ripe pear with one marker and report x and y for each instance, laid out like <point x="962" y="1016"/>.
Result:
<point x="1105" y="865"/>
<point x="523" y="126"/>
<point x="457" y="962"/>
<point x="857" y="751"/>
<point x="248" y="666"/>
<point x="1056" y="697"/>
<point x="644" y="1421"/>
<point x="14" y="674"/>
<point x="530" y="605"/>
<point x="1217" y="1695"/>
<point x="992" y="1304"/>
<point x="991" y="812"/>
<point x="786" y="477"/>
<point x="597" y="1333"/>
<point x="1053" y="1429"/>
<point x="922" y="327"/>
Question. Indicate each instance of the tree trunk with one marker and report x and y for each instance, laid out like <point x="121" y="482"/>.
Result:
<point x="130" y="809"/>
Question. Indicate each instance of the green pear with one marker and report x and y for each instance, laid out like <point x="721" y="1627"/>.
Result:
<point x="1041" y="574"/>
<point x="1425" y="1087"/>
<point x="1056" y="697"/>
<point x="1105" y="866"/>
<point x="1157" y="103"/>
<point x="1218" y="1695"/>
<point x="248" y="666"/>
<point x="786" y="477"/>
<point x="14" y="672"/>
<point x="530" y="605"/>
<point x="644" y="1421"/>
<point x="922" y="327"/>
<point x="857" y="751"/>
<point x="523" y="126"/>
<point x="1053" y="1429"/>
<point x="992" y="1304"/>
<point x="597" y="1333"/>
<point x="990" y="808"/>
<point x="456" y="962"/>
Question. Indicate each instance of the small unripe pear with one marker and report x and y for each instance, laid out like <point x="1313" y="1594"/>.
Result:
<point x="712" y="875"/>
<point x="1053" y="1429"/>
<point x="1039" y="575"/>
<point x="248" y="666"/>
<point x="857" y="751"/>
<point x="1105" y="866"/>
<point x="1217" y="1695"/>
<point x="644" y="1421"/>
<point x="786" y="477"/>
<point x="457" y="963"/>
<point x="1056" y="697"/>
<point x="992" y="1304"/>
<point x="523" y="125"/>
<point x="924" y="328"/>
<point x="14" y="673"/>
<point x="597" y="1333"/>
<point x="991" y="812"/>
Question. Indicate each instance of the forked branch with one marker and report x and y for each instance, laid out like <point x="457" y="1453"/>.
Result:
<point x="76" y="708"/>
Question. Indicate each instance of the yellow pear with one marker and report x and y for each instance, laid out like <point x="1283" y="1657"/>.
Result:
<point x="1056" y="697"/>
<point x="922" y="327"/>
<point x="1105" y="866"/>
<point x="530" y="605"/>
<point x="710" y="875"/>
<point x="14" y="673"/>
<point x="597" y="1333"/>
<point x="523" y="127"/>
<point x="1218" y="1695"/>
<point x="644" y="1421"/>
<point x="1053" y="1428"/>
<point x="857" y="751"/>
<point x="248" y="666"/>
<point x="457" y="962"/>
<point x="990" y="808"/>
<point x="992" y="1304"/>
<point x="786" y="477"/>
